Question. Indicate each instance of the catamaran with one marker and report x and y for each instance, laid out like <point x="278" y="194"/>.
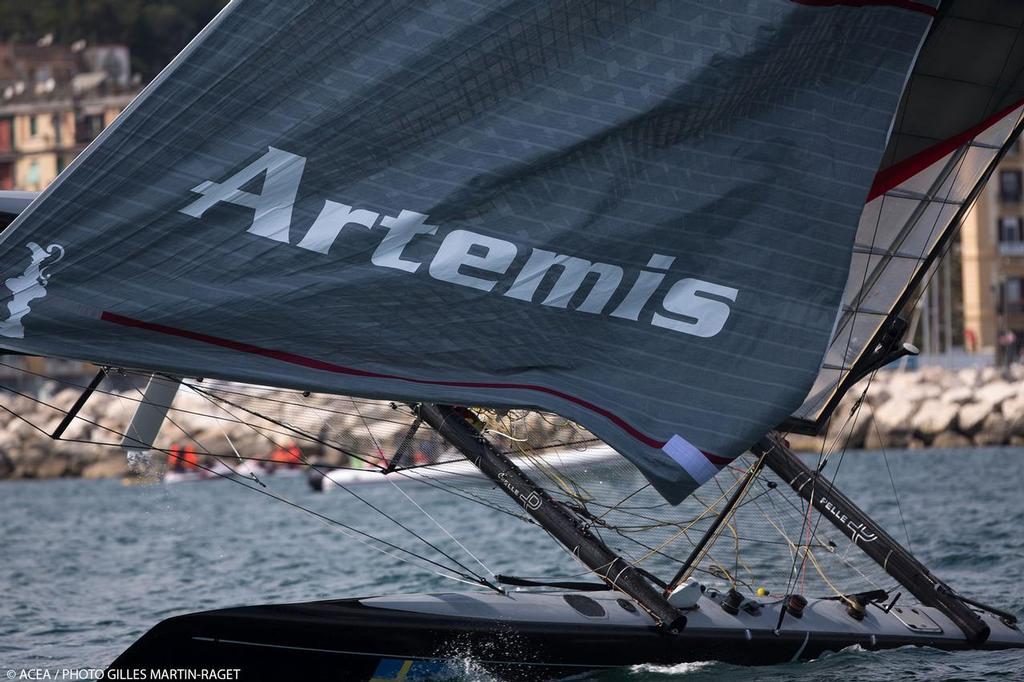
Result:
<point x="680" y="230"/>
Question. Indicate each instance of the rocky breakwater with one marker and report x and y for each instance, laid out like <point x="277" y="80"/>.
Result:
<point x="91" y="443"/>
<point x="930" y="407"/>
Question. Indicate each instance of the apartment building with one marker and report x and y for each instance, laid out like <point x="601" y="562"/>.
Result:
<point x="992" y="253"/>
<point x="54" y="100"/>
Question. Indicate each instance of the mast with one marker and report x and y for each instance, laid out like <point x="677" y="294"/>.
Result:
<point x="868" y="536"/>
<point x="553" y="516"/>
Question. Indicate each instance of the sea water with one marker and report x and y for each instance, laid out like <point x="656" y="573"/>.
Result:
<point x="87" y="566"/>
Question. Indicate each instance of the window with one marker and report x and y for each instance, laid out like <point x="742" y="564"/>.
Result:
<point x="1013" y="288"/>
<point x="1010" y="231"/>
<point x="33" y="178"/>
<point x="88" y="127"/>
<point x="6" y="134"/>
<point x="1009" y="185"/>
<point x="33" y="126"/>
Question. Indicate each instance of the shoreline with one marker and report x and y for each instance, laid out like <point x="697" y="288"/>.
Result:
<point x="930" y="407"/>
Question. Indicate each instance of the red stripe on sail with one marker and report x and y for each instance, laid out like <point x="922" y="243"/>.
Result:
<point x="901" y="4"/>
<point x="312" y="363"/>
<point x="898" y="173"/>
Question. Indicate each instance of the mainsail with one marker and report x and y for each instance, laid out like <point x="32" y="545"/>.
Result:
<point x="640" y="217"/>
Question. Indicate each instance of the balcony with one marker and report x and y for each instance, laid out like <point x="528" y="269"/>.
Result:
<point x="1011" y="248"/>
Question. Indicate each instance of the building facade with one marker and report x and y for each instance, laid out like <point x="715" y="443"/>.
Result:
<point x="992" y="263"/>
<point x="54" y="100"/>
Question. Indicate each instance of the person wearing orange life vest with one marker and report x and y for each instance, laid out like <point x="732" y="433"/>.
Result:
<point x="191" y="460"/>
<point x="294" y="456"/>
<point x="174" y="462"/>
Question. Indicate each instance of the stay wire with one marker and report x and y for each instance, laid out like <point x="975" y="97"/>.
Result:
<point x="389" y="517"/>
<point x="242" y="481"/>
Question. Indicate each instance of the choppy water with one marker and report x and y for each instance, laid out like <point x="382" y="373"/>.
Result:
<point x="87" y="566"/>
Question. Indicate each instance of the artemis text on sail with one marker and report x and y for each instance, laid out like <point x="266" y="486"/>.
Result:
<point x="690" y="306"/>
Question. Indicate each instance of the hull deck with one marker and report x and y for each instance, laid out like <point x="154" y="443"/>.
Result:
<point x="529" y="636"/>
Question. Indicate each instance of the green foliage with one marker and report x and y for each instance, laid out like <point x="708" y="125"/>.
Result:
<point x="154" y="31"/>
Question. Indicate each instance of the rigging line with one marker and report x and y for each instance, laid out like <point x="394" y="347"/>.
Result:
<point x="831" y="484"/>
<point x="292" y="429"/>
<point x="415" y="476"/>
<point x="330" y="521"/>
<point x="892" y="481"/>
<point x="842" y="558"/>
<point x="438" y="524"/>
<point x="618" y="505"/>
<point x="482" y="580"/>
<point x="823" y="456"/>
<point x="479" y="579"/>
<point x="804" y="528"/>
<point x="203" y="447"/>
<point x="353" y="533"/>
<point x="107" y="392"/>
<point x="683" y="531"/>
<point x="445" y="530"/>
<point x="319" y="407"/>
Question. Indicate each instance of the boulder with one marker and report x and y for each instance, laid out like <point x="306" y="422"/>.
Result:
<point x="951" y="440"/>
<point x="51" y="467"/>
<point x="895" y="415"/>
<point x="107" y="467"/>
<point x="994" y="431"/>
<point x="989" y="375"/>
<point x="934" y="417"/>
<point x="959" y="395"/>
<point x="972" y="416"/>
<point x="1013" y="410"/>
<point x="995" y="393"/>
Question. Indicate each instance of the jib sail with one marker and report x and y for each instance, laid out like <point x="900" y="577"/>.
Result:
<point x="640" y="217"/>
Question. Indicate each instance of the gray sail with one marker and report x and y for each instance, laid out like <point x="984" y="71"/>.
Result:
<point x="638" y="216"/>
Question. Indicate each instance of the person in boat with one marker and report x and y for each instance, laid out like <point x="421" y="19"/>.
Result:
<point x="293" y="456"/>
<point x="191" y="460"/>
<point x="175" y="461"/>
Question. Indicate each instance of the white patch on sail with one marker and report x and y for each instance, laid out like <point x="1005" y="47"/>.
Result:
<point x="690" y="458"/>
<point x="28" y="286"/>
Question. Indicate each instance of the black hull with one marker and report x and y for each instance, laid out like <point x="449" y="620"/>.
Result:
<point x="349" y="640"/>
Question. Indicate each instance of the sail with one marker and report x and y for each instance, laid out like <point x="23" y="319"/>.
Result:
<point x="639" y="217"/>
<point x="962" y="106"/>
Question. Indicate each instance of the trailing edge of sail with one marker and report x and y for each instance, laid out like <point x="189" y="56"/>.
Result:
<point x="639" y="216"/>
<point x="962" y="106"/>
